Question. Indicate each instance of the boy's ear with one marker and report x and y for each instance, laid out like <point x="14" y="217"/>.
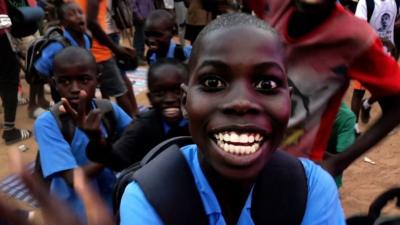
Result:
<point x="184" y="90"/>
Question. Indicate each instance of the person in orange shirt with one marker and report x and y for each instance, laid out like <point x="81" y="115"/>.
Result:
<point x="104" y="50"/>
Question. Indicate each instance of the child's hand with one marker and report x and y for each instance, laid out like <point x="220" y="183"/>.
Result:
<point x="89" y="123"/>
<point x="128" y="55"/>
<point x="53" y="210"/>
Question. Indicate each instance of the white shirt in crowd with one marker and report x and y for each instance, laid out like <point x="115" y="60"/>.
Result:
<point x="383" y="17"/>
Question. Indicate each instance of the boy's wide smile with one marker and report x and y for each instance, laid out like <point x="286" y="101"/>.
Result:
<point x="239" y="145"/>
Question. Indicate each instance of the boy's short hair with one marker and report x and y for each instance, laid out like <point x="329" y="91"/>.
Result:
<point x="72" y="55"/>
<point x="62" y="8"/>
<point x="227" y="21"/>
<point x="162" y="15"/>
<point x="167" y="61"/>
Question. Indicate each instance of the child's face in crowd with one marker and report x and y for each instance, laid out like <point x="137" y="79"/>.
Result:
<point x="158" y="34"/>
<point x="72" y="78"/>
<point x="237" y="100"/>
<point x="165" y="92"/>
<point x="74" y="18"/>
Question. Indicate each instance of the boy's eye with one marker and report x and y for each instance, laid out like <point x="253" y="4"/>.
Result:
<point x="265" y="84"/>
<point x="64" y="81"/>
<point x="213" y="83"/>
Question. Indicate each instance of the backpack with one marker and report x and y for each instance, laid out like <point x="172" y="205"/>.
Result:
<point x="371" y="7"/>
<point x="374" y="213"/>
<point x="34" y="52"/>
<point x="121" y="13"/>
<point x="68" y="127"/>
<point x="164" y="167"/>
<point x="179" y="54"/>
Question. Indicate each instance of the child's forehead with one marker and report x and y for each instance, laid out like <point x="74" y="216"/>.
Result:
<point x="241" y="41"/>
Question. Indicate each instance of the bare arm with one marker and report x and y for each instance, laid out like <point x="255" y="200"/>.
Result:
<point x="389" y="119"/>
<point x="90" y="170"/>
<point x="126" y="54"/>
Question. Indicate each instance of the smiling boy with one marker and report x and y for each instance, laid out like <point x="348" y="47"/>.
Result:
<point x="237" y="102"/>
<point x="163" y="121"/>
<point x="159" y="30"/>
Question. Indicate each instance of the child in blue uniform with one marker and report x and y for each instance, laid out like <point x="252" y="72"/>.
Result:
<point x="237" y="102"/>
<point x="159" y="30"/>
<point x="73" y="22"/>
<point x="75" y="75"/>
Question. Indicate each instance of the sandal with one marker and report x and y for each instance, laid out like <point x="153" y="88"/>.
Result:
<point x="15" y="135"/>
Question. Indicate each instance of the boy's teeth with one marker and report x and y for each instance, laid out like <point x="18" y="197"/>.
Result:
<point x="236" y="141"/>
<point x="238" y="138"/>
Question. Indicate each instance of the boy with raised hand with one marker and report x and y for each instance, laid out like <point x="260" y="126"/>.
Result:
<point x="163" y="121"/>
<point x="328" y="46"/>
<point x="237" y="102"/>
<point x="75" y="77"/>
<point x="159" y="29"/>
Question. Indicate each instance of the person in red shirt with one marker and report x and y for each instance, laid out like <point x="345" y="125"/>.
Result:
<point x="327" y="46"/>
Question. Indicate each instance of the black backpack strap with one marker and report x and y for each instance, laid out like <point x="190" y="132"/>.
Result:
<point x="171" y="172"/>
<point x="281" y="190"/>
<point x="127" y="175"/>
<point x="108" y="117"/>
<point x="370" y="9"/>
<point x="64" y="122"/>
<point x="179" y="53"/>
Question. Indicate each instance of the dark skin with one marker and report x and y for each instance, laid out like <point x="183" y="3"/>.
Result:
<point x="158" y="34"/>
<point x="389" y="119"/>
<point x="164" y="90"/>
<point x="74" y="22"/>
<point x="123" y="53"/>
<point x="238" y="87"/>
<point x="56" y="212"/>
<point x="76" y="82"/>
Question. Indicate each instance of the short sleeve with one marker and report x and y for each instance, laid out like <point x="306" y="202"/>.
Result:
<point x="361" y="10"/>
<point x="376" y="71"/>
<point x="44" y="65"/>
<point x="187" y="50"/>
<point x="135" y="209"/>
<point x="346" y="134"/>
<point x="323" y="204"/>
<point x="55" y="152"/>
<point x="123" y="120"/>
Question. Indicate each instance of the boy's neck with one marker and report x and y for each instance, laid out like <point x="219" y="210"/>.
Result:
<point x="301" y="24"/>
<point x="77" y="36"/>
<point x="231" y="194"/>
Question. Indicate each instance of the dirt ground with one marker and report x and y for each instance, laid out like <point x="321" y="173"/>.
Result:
<point x="361" y="184"/>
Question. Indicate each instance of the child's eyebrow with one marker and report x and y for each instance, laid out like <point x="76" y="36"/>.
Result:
<point x="214" y="63"/>
<point x="269" y="65"/>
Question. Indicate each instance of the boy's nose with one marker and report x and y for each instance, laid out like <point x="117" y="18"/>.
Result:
<point x="75" y="87"/>
<point x="170" y="98"/>
<point x="241" y="101"/>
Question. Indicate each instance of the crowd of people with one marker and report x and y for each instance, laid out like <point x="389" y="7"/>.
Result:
<point x="255" y="88"/>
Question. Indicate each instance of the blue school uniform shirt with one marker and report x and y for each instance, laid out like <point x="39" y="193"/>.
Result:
<point x="44" y="65"/>
<point x="182" y="123"/>
<point x="323" y="205"/>
<point x="187" y="50"/>
<point x="57" y="155"/>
